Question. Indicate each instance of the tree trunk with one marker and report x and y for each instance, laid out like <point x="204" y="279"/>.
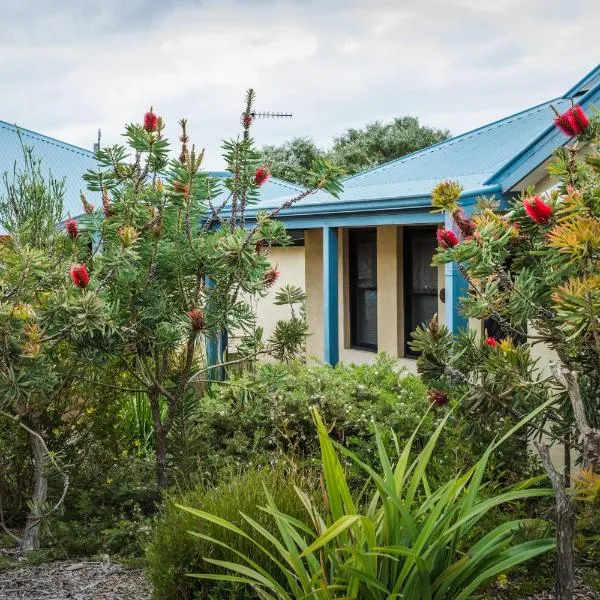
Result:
<point x="160" y="441"/>
<point x="31" y="536"/>
<point x="565" y="527"/>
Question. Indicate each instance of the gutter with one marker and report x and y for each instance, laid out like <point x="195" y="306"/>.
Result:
<point x="389" y="204"/>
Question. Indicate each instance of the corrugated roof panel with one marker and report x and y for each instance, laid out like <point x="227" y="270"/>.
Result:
<point x="471" y="156"/>
<point x="62" y="160"/>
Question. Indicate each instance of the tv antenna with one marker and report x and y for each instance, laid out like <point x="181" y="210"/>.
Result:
<point x="97" y="144"/>
<point x="271" y="115"/>
<point x="265" y="115"/>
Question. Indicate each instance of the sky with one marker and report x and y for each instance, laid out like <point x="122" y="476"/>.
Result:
<point x="71" y="67"/>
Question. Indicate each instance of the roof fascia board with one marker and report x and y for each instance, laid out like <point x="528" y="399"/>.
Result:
<point x="387" y="204"/>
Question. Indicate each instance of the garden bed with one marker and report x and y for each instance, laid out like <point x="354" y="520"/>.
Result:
<point x="70" y="580"/>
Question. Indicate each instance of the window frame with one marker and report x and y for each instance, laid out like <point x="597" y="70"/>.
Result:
<point x="408" y="234"/>
<point x="353" y="288"/>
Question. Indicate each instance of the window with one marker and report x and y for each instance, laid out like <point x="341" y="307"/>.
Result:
<point x="421" y="279"/>
<point x="363" y="288"/>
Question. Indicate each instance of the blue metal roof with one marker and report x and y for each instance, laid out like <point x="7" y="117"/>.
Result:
<point x="69" y="162"/>
<point x="272" y="189"/>
<point x="61" y="159"/>
<point x="485" y="160"/>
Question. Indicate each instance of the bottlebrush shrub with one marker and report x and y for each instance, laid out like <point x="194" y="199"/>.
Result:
<point x="51" y="328"/>
<point x="175" y="270"/>
<point x="535" y="270"/>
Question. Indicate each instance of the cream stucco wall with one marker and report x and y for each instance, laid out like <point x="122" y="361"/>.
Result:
<point x="390" y="297"/>
<point x="289" y="261"/>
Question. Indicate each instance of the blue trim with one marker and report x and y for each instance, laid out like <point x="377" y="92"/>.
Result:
<point x="214" y="349"/>
<point x="582" y="82"/>
<point x="412" y="211"/>
<point x="331" y="353"/>
<point x="376" y="205"/>
<point x="539" y="150"/>
<point x="456" y="288"/>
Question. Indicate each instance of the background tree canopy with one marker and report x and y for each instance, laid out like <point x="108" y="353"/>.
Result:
<point x="355" y="150"/>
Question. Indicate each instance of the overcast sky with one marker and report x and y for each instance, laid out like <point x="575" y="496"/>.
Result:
<point x="70" y="67"/>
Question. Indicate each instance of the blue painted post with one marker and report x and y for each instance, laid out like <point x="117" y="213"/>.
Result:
<point x="331" y="353"/>
<point x="456" y="288"/>
<point x="214" y="344"/>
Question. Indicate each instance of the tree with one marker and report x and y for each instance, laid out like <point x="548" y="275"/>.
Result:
<point x="535" y="270"/>
<point x="48" y="327"/>
<point x="353" y="151"/>
<point x="377" y="143"/>
<point x="292" y="160"/>
<point x="176" y="269"/>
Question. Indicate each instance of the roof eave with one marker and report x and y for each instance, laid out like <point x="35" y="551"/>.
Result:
<point x="382" y="205"/>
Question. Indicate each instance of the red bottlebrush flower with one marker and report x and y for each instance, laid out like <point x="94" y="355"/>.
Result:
<point x="72" y="228"/>
<point x="446" y="238"/>
<point x="537" y="209"/>
<point x="247" y="120"/>
<point x="261" y="175"/>
<point x="80" y="276"/>
<point x="579" y="118"/>
<point x="271" y="277"/>
<point x="492" y="342"/>
<point x="438" y="397"/>
<point x="106" y="203"/>
<point x="181" y="188"/>
<point x="260" y="247"/>
<point x="466" y="226"/>
<point x="150" y="121"/>
<point x="196" y="317"/>
<point x="573" y="121"/>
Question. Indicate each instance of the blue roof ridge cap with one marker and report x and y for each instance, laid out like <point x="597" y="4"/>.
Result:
<point x="456" y="139"/>
<point x="591" y="93"/>
<point x="588" y="77"/>
<point x="46" y="139"/>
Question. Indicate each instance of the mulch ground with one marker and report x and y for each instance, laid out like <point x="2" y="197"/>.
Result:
<point x="94" y="580"/>
<point x="71" y="580"/>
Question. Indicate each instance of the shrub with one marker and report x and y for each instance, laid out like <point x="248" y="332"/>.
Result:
<point x="111" y="516"/>
<point x="266" y="417"/>
<point x="172" y="552"/>
<point x="399" y="538"/>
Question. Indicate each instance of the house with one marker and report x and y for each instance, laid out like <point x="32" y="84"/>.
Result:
<point x="367" y="254"/>
<point x="63" y="160"/>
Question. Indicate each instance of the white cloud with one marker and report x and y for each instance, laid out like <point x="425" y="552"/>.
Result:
<point x="73" y="67"/>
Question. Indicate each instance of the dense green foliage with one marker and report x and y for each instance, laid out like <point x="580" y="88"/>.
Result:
<point x="353" y="151"/>
<point x="265" y="417"/>
<point x="400" y="536"/>
<point x="173" y="553"/>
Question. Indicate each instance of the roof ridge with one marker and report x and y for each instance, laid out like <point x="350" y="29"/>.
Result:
<point x="453" y="140"/>
<point x="46" y="138"/>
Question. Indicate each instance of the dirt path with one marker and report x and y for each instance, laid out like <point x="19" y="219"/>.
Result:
<point x="74" y="581"/>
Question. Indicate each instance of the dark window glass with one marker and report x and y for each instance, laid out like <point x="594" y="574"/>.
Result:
<point x="421" y="279"/>
<point x="363" y="288"/>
